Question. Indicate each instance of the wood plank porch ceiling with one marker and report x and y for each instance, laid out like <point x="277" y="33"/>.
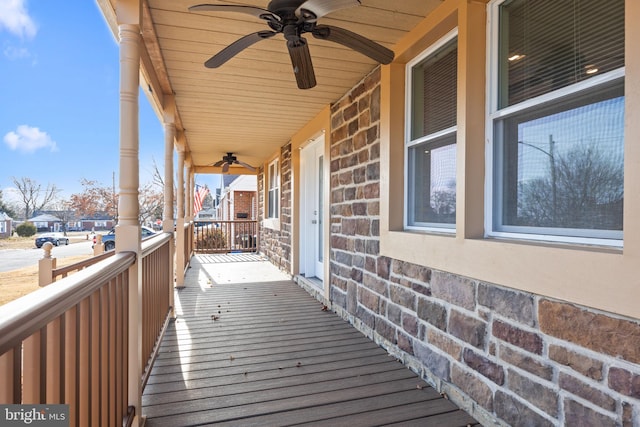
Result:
<point x="272" y="357"/>
<point x="251" y="105"/>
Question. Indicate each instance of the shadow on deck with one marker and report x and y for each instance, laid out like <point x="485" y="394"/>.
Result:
<point x="251" y="348"/>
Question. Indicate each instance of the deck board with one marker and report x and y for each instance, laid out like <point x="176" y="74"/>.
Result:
<point x="264" y="353"/>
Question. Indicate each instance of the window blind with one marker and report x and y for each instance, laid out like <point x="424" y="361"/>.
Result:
<point x="549" y="44"/>
<point x="435" y="91"/>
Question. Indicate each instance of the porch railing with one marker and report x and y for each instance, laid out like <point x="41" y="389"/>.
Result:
<point x="213" y="236"/>
<point x="48" y="273"/>
<point x="68" y="343"/>
<point x="157" y="286"/>
<point x="188" y="242"/>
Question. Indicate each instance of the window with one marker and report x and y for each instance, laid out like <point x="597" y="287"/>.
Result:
<point x="557" y="119"/>
<point x="3" y="227"/>
<point x="273" y="197"/>
<point x="431" y="137"/>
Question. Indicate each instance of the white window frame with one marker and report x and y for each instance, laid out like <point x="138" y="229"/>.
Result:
<point x="273" y="184"/>
<point x="3" y="227"/>
<point x="409" y="143"/>
<point x="272" y="222"/>
<point x="494" y="114"/>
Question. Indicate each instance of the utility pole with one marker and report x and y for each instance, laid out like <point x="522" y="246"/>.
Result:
<point x="113" y="194"/>
<point x="554" y="189"/>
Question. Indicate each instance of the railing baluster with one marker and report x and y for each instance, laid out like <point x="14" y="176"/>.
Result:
<point x="104" y="355"/>
<point x="125" y="344"/>
<point x="10" y="387"/>
<point x="31" y="369"/>
<point x="83" y="365"/>
<point x="53" y="362"/>
<point x="113" y="356"/>
<point x="94" y="358"/>
<point x="70" y="363"/>
<point x="119" y="350"/>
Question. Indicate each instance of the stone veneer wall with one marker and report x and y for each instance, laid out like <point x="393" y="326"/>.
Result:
<point x="276" y="244"/>
<point x="521" y="358"/>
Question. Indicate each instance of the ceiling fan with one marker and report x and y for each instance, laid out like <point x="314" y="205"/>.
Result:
<point x="228" y="160"/>
<point x="293" y="18"/>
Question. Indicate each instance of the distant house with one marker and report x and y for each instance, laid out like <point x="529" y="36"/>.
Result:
<point x="5" y="225"/>
<point x="97" y="223"/>
<point x="206" y="214"/>
<point x="238" y="198"/>
<point x="46" y="222"/>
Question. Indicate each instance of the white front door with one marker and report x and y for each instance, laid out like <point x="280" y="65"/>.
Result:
<point x="312" y="209"/>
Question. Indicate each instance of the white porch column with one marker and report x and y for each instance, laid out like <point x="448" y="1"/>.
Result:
<point x="189" y="206"/>
<point x="128" y="14"/>
<point x="169" y="142"/>
<point x="190" y="187"/>
<point x="180" y="237"/>
<point x="167" y="223"/>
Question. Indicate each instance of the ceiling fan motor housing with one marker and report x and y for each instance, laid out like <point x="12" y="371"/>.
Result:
<point x="283" y="8"/>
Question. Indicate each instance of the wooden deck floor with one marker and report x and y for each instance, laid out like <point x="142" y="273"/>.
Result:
<point x="264" y="353"/>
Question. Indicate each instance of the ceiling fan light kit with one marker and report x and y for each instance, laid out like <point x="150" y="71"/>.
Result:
<point x="292" y="18"/>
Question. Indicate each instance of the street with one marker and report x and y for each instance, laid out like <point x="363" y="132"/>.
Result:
<point x="12" y="259"/>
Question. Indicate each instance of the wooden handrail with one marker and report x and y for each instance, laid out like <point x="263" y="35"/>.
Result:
<point x="151" y="244"/>
<point x="80" y="265"/>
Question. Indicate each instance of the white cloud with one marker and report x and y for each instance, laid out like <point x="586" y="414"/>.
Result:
<point x="29" y="139"/>
<point x="14" y="53"/>
<point x="15" y="18"/>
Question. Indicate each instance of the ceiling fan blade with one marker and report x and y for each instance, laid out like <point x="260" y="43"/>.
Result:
<point x="301" y="61"/>
<point x="218" y="163"/>
<point x="251" y="10"/>
<point x="251" y="168"/>
<point x="354" y="41"/>
<point x="236" y="47"/>
<point x="311" y="10"/>
<point x="225" y="168"/>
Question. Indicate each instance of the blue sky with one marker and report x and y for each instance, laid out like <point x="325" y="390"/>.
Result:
<point x="59" y="72"/>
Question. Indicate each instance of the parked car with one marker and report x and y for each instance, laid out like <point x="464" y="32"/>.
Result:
<point x="109" y="239"/>
<point x="56" y="238"/>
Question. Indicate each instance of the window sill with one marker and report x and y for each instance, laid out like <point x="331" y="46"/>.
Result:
<point x="577" y="273"/>
<point x="271" y="223"/>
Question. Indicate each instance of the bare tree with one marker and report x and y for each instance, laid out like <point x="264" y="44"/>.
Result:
<point x="63" y="211"/>
<point x="588" y="189"/>
<point x="6" y="208"/>
<point x="33" y="196"/>
<point x="151" y="203"/>
<point x="158" y="179"/>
